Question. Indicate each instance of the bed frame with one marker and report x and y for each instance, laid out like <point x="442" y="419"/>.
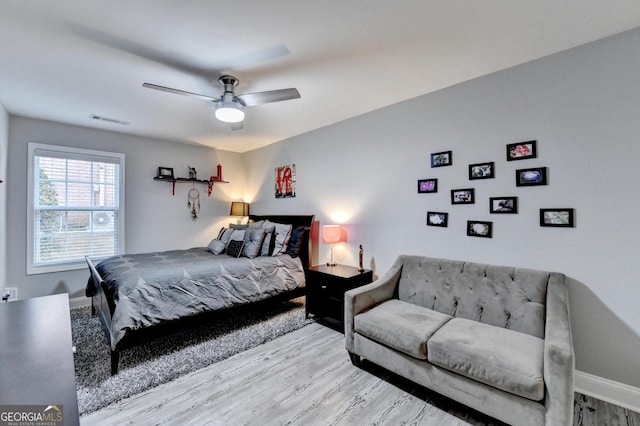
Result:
<point x="103" y="306"/>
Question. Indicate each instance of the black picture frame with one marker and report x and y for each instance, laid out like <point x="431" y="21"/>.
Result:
<point x="165" y="173"/>
<point x="503" y="205"/>
<point x="477" y="228"/>
<point x="463" y="196"/>
<point x="440" y="219"/>
<point x="531" y="177"/>
<point x="522" y="150"/>
<point x="558" y="217"/>
<point x="441" y="159"/>
<point x="482" y="171"/>
<point x="427" y="186"/>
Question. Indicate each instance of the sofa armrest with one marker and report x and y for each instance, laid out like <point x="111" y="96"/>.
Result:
<point x="362" y="298"/>
<point x="559" y="363"/>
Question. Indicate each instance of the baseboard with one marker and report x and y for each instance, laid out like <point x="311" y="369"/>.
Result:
<point x="79" y="302"/>
<point x="607" y="390"/>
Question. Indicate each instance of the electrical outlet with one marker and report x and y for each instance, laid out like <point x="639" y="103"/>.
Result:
<point x="9" y="294"/>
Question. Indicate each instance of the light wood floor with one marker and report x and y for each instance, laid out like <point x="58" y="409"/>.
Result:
<point x="306" y="378"/>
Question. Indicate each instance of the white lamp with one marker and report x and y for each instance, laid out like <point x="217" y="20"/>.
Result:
<point x="229" y="112"/>
<point x="332" y="234"/>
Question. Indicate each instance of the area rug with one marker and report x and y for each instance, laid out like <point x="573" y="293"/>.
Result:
<point x="166" y="358"/>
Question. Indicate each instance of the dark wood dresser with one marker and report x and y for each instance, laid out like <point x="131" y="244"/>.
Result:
<point x="37" y="355"/>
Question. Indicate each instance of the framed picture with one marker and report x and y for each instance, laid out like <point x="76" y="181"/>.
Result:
<point x="426" y="186"/>
<point x="482" y="171"/>
<point x="503" y="205"/>
<point x="521" y="150"/>
<point x="437" y="219"/>
<point x="531" y="177"/>
<point x="479" y="229"/>
<point x="440" y="159"/>
<point x="165" y="173"/>
<point x="462" y="196"/>
<point x="562" y="218"/>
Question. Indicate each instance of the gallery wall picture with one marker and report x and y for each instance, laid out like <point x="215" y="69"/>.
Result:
<point x="504" y="205"/>
<point x="477" y="228"/>
<point x="462" y="196"/>
<point x="437" y="219"/>
<point x="482" y="171"/>
<point x="561" y="217"/>
<point x="440" y="159"/>
<point x="531" y="177"/>
<point x="285" y="181"/>
<point x="426" y="186"/>
<point x="521" y="150"/>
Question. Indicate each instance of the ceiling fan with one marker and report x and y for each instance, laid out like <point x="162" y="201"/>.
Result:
<point x="229" y="106"/>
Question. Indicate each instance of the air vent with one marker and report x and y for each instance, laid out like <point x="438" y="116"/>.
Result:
<point x="110" y="120"/>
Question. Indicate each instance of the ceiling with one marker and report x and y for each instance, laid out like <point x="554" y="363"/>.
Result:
<point x="66" y="60"/>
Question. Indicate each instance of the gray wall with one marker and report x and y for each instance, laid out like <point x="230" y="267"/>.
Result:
<point x="4" y="147"/>
<point x="154" y="219"/>
<point x="581" y="106"/>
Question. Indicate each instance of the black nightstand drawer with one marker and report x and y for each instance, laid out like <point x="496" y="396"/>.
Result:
<point x="326" y="286"/>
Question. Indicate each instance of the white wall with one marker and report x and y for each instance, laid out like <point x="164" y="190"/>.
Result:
<point x="154" y="219"/>
<point x="4" y="147"/>
<point x="581" y="106"/>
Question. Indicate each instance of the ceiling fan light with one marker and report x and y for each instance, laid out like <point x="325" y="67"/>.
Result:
<point x="229" y="112"/>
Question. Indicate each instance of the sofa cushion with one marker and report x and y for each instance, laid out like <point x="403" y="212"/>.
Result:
<point x="502" y="358"/>
<point x="401" y="326"/>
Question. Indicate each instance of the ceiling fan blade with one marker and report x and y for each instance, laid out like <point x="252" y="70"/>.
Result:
<point x="251" y="99"/>
<point x="180" y="92"/>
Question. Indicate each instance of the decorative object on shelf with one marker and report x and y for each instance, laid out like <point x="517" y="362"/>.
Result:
<point x="426" y="186"/>
<point x="285" y="181"/>
<point x="521" y="150"/>
<point x="482" y="171"/>
<point x="193" y="202"/>
<point x="561" y="218"/>
<point x="165" y="173"/>
<point x="440" y="159"/>
<point x="462" y="196"/>
<point x="504" y="205"/>
<point x="332" y="234"/>
<point x="437" y="219"/>
<point x="239" y="209"/>
<point x="479" y="229"/>
<point x="360" y="264"/>
<point x="192" y="172"/>
<point x="531" y="177"/>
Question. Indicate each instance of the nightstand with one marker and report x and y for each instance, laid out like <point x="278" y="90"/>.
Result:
<point x="325" y="290"/>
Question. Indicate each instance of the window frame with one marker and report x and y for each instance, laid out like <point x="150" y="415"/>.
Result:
<point x="69" y="153"/>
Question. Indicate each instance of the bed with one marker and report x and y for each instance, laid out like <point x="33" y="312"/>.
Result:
<point x="140" y="296"/>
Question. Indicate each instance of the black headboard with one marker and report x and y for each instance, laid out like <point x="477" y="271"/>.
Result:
<point x="295" y="220"/>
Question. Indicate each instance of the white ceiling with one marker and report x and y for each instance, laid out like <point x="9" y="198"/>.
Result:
<point x="64" y="60"/>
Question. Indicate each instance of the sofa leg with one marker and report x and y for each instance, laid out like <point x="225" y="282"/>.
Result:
<point x="355" y="359"/>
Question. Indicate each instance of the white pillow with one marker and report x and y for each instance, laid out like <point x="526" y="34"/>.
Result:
<point x="283" y="232"/>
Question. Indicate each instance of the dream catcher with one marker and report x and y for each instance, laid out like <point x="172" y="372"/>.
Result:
<point x="194" y="203"/>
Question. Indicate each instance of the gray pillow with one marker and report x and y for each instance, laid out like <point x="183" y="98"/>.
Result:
<point x="216" y="246"/>
<point x="253" y="239"/>
<point x="224" y="235"/>
<point x="282" y="237"/>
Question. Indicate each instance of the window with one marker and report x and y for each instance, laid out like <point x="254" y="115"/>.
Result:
<point x="75" y="207"/>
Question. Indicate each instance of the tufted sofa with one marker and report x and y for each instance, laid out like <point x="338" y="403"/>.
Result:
<point x="495" y="338"/>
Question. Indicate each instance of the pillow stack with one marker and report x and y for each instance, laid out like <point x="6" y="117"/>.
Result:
<point x="263" y="238"/>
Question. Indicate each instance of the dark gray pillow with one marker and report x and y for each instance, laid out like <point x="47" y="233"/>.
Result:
<point x="234" y="248"/>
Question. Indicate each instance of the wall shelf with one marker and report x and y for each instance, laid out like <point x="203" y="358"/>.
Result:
<point x="173" y="181"/>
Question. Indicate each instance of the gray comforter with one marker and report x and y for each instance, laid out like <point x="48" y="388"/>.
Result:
<point x="151" y="288"/>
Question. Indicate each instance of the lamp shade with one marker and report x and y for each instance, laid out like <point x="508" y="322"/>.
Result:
<point x="331" y="234"/>
<point x="239" y="208"/>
